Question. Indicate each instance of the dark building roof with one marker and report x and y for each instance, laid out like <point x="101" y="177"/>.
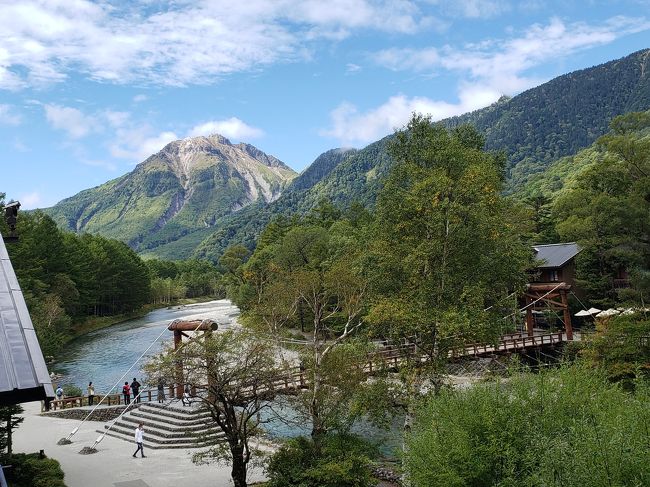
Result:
<point x="555" y="255"/>
<point x="23" y="373"/>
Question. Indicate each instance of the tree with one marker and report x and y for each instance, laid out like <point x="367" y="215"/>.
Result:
<point x="447" y="248"/>
<point x="607" y="211"/>
<point x="235" y="377"/>
<point x="9" y="420"/>
<point x="314" y="273"/>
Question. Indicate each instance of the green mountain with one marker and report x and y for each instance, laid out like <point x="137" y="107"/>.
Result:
<point x="178" y="193"/>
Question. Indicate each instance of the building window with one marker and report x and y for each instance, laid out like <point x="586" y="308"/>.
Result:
<point x="555" y="276"/>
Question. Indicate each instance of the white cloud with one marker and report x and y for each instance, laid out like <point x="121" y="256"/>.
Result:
<point x="502" y="63"/>
<point x="8" y="116"/>
<point x="177" y="43"/>
<point x="72" y="121"/>
<point x="473" y="9"/>
<point x="30" y="201"/>
<point x="232" y="128"/>
<point x="137" y="143"/>
<point x="140" y="98"/>
<point x="351" y="127"/>
<point x="489" y="69"/>
<point x="352" y="68"/>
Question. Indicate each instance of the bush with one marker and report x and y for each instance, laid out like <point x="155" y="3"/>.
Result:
<point x="72" y="391"/>
<point x="570" y="427"/>
<point x="31" y="471"/>
<point x="343" y="460"/>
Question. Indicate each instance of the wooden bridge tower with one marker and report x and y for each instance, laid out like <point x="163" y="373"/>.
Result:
<point x="180" y="327"/>
<point x="545" y="296"/>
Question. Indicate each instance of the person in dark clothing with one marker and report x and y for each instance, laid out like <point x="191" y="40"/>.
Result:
<point x="135" y="387"/>
<point x="126" y="390"/>
<point x="161" y="391"/>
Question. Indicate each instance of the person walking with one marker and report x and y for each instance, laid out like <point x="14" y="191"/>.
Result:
<point x="126" y="391"/>
<point x="91" y="394"/>
<point x="139" y="436"/>
<point x="135" y="387"/>
<point x="187" y="397"/>
<point x="161" y="391"/>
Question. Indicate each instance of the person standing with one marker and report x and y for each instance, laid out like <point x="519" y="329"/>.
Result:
<point x="91" y="394"/>
<point x="126" y="391"/>
<point x="139" y="436"/>
<point x="161" y="391"/>
<point x="135" y="387"/>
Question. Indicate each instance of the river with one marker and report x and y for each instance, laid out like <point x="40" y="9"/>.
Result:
<point x="103" y="356"/>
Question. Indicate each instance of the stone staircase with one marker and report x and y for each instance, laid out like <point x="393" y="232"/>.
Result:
<point x="168" y="426"/>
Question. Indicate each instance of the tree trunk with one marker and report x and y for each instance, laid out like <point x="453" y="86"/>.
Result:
<point x="238" y="472"/>
<point x="9" y="439"/>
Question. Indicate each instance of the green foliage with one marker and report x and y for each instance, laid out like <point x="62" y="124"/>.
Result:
<point x="67" y="278"/>
<point x="29" y="470"/>
<point x="621" y="345"/>
<point x="569" y="427"/>
<point x="607" y="211"/>
<point x="173" y="280"/>
<point x="337" y="461"/>
<point x="70" y="390"/>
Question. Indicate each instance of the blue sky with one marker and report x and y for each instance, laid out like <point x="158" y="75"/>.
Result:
<point x="90" y="89"/>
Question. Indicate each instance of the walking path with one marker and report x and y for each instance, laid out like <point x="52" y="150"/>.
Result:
<point x="113" y="465"/>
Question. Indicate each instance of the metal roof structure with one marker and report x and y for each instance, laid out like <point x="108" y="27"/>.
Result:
<point x="23" y="373"/>
<point x="555" y="255"/>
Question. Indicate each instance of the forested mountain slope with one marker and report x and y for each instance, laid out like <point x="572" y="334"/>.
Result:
<point x="562" y="116"/>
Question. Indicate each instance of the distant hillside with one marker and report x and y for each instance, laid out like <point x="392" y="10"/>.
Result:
<point x="562" y="116"/>
<point x="563" y="174"/>
<point x="182" y="190"/>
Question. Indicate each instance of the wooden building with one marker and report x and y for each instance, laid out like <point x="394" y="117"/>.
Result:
<point x="551" y="282"/>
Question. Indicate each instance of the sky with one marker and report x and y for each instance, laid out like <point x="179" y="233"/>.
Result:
<point x="88" y="89"/>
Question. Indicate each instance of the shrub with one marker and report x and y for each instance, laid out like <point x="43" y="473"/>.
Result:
<point x="570" y="427"/>
<point x="29" y="470"/>
<point x="343" y="460"/>
<point x="72" y="391"/>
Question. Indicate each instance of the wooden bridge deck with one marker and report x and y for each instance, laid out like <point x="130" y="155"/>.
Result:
<point x="389" y="357"/>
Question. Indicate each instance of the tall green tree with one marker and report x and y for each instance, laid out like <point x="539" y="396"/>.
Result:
<point x="447" y="247"/>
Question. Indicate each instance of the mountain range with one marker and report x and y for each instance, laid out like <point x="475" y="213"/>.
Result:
<point x="199" y="195"/>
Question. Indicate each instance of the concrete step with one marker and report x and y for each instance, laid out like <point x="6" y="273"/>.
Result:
<point x="189" y="414"/>
<point x="158" y="438"/>
<point x="189" y="421"/>
<point x="153" y="446"/>
<point x="157" y="423"/>
<point x="168" y="434"/>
